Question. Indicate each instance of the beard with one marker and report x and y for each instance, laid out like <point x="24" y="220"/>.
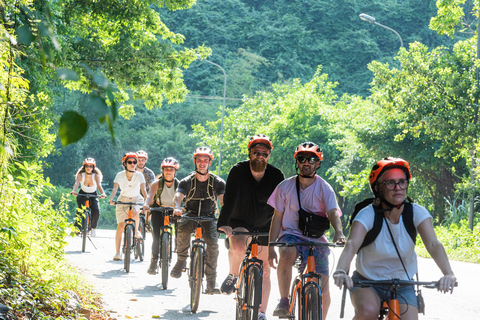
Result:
<point x="140" y="166"/>
<point x="258" y="165"/>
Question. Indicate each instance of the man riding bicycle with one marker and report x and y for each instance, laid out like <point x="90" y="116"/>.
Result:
<point x="162" y="192"/>
<point x="199" y="191"/>
<point x="245" y="208"/>
<point x="303" y="195"/>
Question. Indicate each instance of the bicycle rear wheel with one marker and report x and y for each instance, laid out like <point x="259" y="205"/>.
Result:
<point x="141" y="242"/>
<point x="196" y="276"/>
<point x="165" y="258"/>
<point x="85" y="221"/>
<point x="312" y="303"/>
<point x="128" y="237"/>
<point x="253" y="293"/>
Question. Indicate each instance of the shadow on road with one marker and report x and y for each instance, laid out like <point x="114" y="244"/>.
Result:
<point x="186" y="314"/>
<point x="151" y="291"/>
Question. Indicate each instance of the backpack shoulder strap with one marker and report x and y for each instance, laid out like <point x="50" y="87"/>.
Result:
<point x="408" y="221"/>
<point x="377" y="227"/>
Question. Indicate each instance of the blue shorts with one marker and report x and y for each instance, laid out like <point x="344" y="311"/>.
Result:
<point x="406" y="294"/>
<point x="320" y="254"/>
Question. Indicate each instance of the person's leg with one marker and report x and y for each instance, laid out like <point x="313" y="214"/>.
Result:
<point x="266" y="285"/>
<point x="366" y="304"/>
<point x="408" y="312"/>
<point x="79" y="215"/>
<point x="236" y="253"/>
<point x="95" y="213"/>
<point x="288" y="255"/>
<point x="156" y="219"/>
<point x="326" y="300"/>
<point x="118" y="236"/>
<point x="211" y="253"/>
<point x="184" y="229"/>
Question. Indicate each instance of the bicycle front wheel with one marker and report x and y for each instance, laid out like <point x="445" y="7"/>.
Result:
<point x="129" y="232"/>
<point x="196" y="276"/>
<point x="85" y="221"/>
<point x="141" y="242"/>
<point x="164" y="258"/>
<point x="296" y="300"/>
<point x="239" y="296"/>
<point x="253" y="293"/>
<point x="312" y="303"/>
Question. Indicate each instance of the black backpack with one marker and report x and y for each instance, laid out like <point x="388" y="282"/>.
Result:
<point x="378" y="222"/>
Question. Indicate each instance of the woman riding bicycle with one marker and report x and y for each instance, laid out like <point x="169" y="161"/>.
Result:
<point x="131" y="183"/>
<point x="161" y="194"/>
<point x="90" y="179"/>
<point x="391" y="255"/>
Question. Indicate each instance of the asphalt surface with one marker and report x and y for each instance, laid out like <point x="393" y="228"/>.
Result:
<point x="138" y="295"/>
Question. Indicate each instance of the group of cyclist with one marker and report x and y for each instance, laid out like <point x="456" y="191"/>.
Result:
<point x="256" y="197"/>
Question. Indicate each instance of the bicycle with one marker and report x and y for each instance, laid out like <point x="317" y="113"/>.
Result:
<point x="129" y="240"/>
<point x="86" y="220"/>
<point x="165" y="242"/>
<point x="390" y="310"/>
<point x="305" y="301"/>
<point x="197" y="260"/>
<point x="249" y="290"/>
<point x="140" y="243"/>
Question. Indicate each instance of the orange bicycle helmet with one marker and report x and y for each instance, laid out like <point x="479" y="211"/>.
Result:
<point x="170" y="163"/>
<point x="142" y="154"/>
<point x="129" y="155"/>
<point x="386" y="164"/>
<point x="89" y="161"/>
<point x="260" y="139"/>
<point x="203" y="151"/>
<point x="309" y="148"/>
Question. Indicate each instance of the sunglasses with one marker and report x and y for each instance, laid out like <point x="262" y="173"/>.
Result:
<point x="89" y="166"/>
<point x="262" y="154"/>
<point x="132" y="162"/>
<point x="311" y="160"/>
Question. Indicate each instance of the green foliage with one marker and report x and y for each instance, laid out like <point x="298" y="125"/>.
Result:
<point x="459" y="241"/>
<point x="34" y="276"/>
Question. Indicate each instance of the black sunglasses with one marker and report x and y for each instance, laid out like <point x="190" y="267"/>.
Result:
<point x="132" y="162"/>
<point x="310" y="160"/>
<point x="263" y="154"/>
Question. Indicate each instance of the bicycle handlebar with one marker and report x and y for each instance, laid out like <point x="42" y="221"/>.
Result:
<point x="250" y="233"/>
<point x="89" y="195"/>
<point x="128" y="203"/>
<point x="198" y="218"/>
<point x="397" y="282"/>
<point x="306" y="244"/>
<point x="164" y="209"/>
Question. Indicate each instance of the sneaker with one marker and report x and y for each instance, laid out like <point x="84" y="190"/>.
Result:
<point x="211" y="288"/>
<point x="117" y="256"/>
<point x="178" y="268"/>
<point x="282" y="309"/>
<point x="262" y="316"/>
<point x="153" y="267"/>
<point x="228" y="285"/>
<point x="93" y="233"/>
<point x="138" y="235"/>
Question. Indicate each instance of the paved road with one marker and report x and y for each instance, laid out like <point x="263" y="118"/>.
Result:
<point x="137" y="295"/>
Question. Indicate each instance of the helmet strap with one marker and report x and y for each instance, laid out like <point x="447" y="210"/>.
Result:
<point x="202" y="174"/>
<point x="165" y="180"/>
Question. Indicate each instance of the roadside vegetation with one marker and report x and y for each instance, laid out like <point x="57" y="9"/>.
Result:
<point x="98" y="78"/>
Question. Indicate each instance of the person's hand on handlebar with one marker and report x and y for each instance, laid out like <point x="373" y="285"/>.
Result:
<point x="446" y="283"/>
<point x="74" y="193"/>
<point x="177" y="212"/>
<point x="227" y="230"/>
<point x="145" y="206"/>
<point x="103" y="196"/>
<point x="111" y="202"/>
<point x="340" y="277"/>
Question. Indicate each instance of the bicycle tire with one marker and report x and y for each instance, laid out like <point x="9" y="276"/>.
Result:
<point x="253" y="294"/>
<point x="164" y="258"/>
<point x="129" y="232"/>
<point x="312" y="303"/>
<point x="196" y="277"/>
<point x="84" y="229"/>
<point x="141" y="242"/>
<point x="239" y="295"/>
<point x="295" y="301"/>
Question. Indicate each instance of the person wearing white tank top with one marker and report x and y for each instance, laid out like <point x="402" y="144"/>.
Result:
<point x="89" y="177"/>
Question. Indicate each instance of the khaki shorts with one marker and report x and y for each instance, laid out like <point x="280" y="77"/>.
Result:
<point x="121" y="210"/>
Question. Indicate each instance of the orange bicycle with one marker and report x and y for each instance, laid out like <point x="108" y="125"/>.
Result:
<point x="86" y="219"/>
<point x="390" y="309"/>
<point x="305" y="301"/>
<point x="129" y="240"/>
<point x="249" y="290"/>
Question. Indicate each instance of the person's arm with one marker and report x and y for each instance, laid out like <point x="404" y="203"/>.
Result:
<point x="220" y="198"/>
<point x="229" y="199"/>
<point x="177" y="202"/>
<point x="275" y="227"/>
<point x="334" y="219"/>
<point x="142" y="190"/>
<point x="99" y="186"/>
<point x="75" y="185"/>
<point x="437" y="251"/>
<point x="114" y="193"/>
<point x="151" y="194"/>
<point x="354" y="241"/>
